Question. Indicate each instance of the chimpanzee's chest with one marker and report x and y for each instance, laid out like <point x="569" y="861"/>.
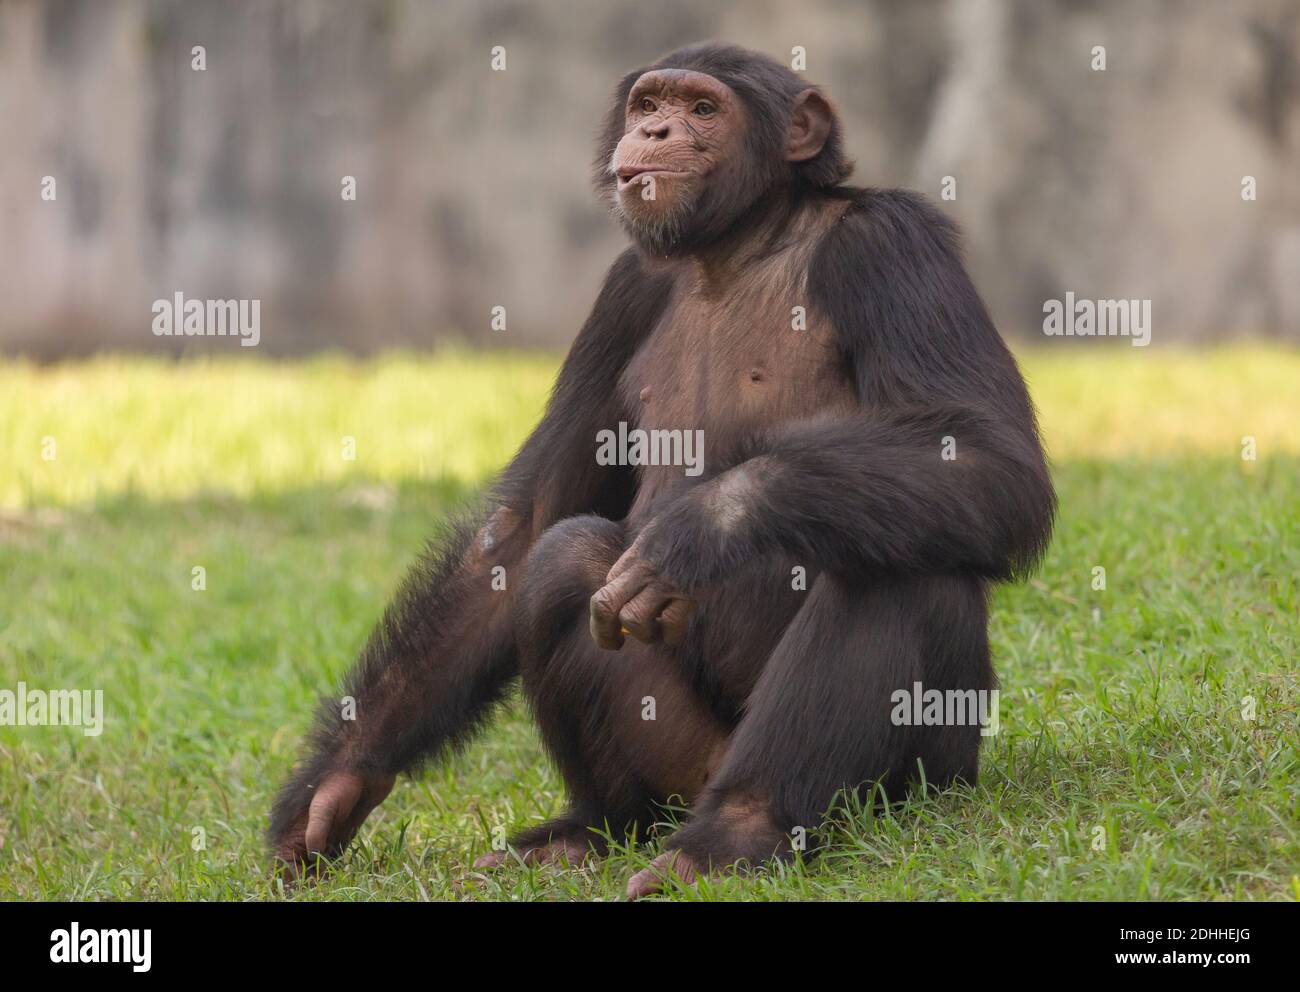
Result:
<point x="725" y="368"/>
<point x="730" y="366"/>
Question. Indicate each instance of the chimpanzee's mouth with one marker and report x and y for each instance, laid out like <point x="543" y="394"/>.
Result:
<point x="633" y="175"/>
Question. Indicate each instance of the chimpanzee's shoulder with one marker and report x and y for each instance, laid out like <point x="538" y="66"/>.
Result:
<point x="896" y="220"/>
<point x="890" y="269"/>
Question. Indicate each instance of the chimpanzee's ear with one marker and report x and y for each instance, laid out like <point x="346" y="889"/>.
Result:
<point x="810" y="126"/>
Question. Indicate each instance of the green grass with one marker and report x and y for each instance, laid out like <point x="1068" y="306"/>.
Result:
<point x="1121" y="709"/>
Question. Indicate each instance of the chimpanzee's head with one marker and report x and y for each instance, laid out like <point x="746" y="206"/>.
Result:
<point x="693" y="142"/>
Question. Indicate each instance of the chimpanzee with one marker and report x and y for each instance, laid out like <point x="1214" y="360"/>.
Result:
<point x="733" y="639"/>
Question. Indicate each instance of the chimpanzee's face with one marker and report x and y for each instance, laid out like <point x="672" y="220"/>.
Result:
<point x="683" y="137"/>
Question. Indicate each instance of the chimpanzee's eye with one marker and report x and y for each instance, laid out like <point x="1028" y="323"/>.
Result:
<point x="648" y="106"/>
<point x="704" y="109"/>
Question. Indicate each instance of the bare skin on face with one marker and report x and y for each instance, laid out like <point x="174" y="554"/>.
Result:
<point x="682" y="128"/>
<point x="678" y="123"/>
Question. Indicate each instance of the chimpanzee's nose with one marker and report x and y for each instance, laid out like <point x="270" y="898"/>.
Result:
<point x="657" y="129"/>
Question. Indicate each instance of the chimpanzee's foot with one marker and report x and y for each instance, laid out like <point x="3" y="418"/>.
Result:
<point x="570" y="850"/>
<point x="554" y="841"/>
<point x="725" y="834"/>
<point x="653" y="880"/>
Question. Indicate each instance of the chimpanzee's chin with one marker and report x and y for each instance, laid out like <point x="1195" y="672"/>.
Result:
<point x="657" y="232"/>
<point x="661" y="242"/>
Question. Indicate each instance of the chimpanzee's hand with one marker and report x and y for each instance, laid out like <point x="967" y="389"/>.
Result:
<point x="323" y="826"/>
<point x="636" y="600"/>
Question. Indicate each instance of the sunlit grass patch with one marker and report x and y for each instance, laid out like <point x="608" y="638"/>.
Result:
<point x="244" y="425"/>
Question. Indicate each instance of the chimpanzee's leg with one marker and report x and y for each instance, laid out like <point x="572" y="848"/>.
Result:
<point x="625" y="728"/>
<point x="821" y="717"/>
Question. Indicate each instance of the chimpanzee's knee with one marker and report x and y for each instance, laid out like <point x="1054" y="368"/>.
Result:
<point x="567" y="564"/>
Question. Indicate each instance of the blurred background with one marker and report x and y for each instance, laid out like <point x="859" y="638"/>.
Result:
<point x="472" y="186"/>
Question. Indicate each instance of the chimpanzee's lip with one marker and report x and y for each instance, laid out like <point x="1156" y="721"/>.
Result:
<point x="629" y="173"/>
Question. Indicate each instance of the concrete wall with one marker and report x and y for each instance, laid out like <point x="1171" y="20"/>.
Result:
<point x="473" y="185"/>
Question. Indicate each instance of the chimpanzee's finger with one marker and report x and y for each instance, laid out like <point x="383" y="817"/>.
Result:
<point x="375" y="790"/>
<point x="674" y="620"/>
<point x="334" y="800"/>
<point x="625" y="561"/>
<point x="640" y="615"/>
<point x="603" y="620"/>
<point x="609" y="600"/>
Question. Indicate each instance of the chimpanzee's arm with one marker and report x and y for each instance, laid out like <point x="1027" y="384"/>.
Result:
<point x="940" y="471"/>
<point x="444" y="651"/>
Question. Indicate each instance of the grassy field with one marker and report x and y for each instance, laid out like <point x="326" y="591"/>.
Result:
<point x="1125" y="768"/>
